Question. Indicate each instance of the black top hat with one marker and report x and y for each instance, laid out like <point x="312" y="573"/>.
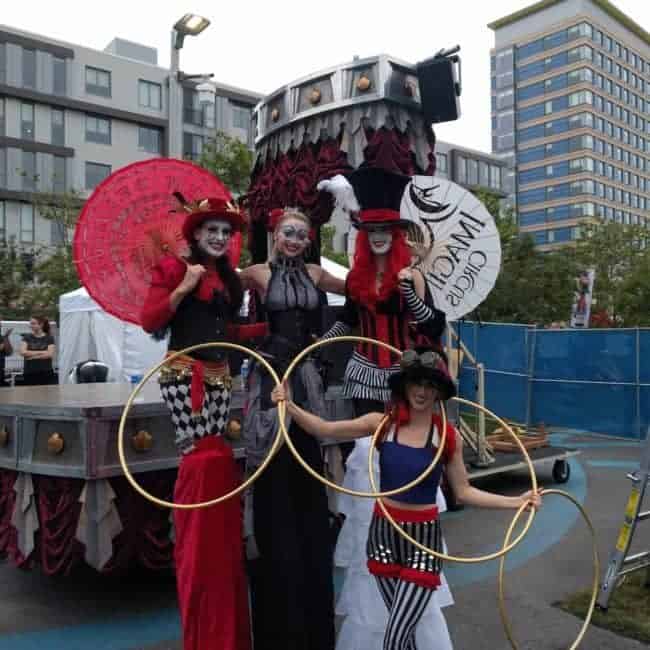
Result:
<point x="379" y="193"/>
<point x="422" y="365"/>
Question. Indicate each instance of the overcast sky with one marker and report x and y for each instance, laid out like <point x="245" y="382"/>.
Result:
<point x="261" y="46"/>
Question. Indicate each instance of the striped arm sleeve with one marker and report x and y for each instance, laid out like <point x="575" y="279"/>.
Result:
<point x="338" y="329"/>
<point x="416" y="305"/>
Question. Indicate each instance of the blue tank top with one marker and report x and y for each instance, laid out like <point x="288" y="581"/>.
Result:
<point x="400" y="464"/>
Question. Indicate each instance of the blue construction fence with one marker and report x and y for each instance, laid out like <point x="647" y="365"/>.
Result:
<point x="593" y="380"/>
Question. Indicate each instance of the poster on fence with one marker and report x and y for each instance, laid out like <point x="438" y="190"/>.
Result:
<point x="582" y="296"/>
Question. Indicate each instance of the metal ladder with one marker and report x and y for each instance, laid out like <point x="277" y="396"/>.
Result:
<point x="620" y="563"/>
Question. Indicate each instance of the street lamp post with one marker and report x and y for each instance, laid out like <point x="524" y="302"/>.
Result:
<point x="188" y="25"/>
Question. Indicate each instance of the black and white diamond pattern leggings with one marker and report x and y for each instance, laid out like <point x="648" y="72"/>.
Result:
<point x="212" y="419"/>
<point x="405" y="599"/>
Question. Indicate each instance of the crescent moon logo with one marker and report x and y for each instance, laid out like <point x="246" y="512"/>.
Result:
<point x="417" y="196"/>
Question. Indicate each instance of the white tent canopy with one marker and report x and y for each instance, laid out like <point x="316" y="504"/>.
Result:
<point x="86" y="331"/>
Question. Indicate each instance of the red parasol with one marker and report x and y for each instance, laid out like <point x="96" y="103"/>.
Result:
<point x="130" y="221"/>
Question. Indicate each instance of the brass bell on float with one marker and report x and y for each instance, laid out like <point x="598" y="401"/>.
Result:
<point x="142" y="441"/>
<point x="55" y="443"/>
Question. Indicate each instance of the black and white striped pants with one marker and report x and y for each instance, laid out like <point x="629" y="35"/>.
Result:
<point x="406" y="576"/>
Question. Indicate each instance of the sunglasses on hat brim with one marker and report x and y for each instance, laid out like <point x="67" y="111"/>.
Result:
<point x="428" y="359"/>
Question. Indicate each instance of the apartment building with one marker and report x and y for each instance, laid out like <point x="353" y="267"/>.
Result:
<point x="571" y="116"/>
<point x="71" y="115"/>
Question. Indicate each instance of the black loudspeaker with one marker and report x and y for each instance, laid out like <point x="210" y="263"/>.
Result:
<point x="440" y="85"/>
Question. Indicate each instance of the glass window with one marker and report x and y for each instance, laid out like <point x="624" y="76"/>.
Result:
<point x="3" y="223"/>
<point x="58" y="76"/>
<point x="495" y="177"/>
<point x="26" y="223"/>
<point x="483" y="173"/>
<point x="3" y="168"/>
<point x="192" y="146"/>
<point x="505" y="99"/>
<point x="504" y="80"/>
<point x="531" y="155"/>
<point x="532" y="196"/>
<point x="505" y="60"/>
<point x="472" y="171"/>
<point x="597" y="37"/>
<point x="149" y="139"/>
<point x="58" y="127"/>
<point x="531" y="133"/>
<point x="29" y="68"/>
<point x="98" y="82"/>
<point x="241" y="117"/>
<point x="27" y="121"/>
<point x="532" y="218"/>
<point x="58" y="178"/>
<point x="555" y="40"/>
<point x="28" y="170"/>
<point x="441" y="163"/>
<point x="192" y="113"/>
<point x="530" y="49"/>
<point x="3" y="63"/>
<point x="150" y="94"/>
<point x="95" y="174"/>
<point x="2" y="116"/>
<point x="98" y="129"/>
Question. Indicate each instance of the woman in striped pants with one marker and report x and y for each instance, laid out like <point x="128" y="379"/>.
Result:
<point x="406" y="576"/>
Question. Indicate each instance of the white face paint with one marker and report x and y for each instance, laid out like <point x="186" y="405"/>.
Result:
<point x="380" y="240"/>
<point x="213" y="237"/>
<point x="292" y="237"/>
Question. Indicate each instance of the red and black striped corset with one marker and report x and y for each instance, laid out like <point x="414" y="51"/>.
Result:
<point x="387" y="321"/>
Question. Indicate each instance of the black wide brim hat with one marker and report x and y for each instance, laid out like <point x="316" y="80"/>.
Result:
<point x="437" y="377"/>
<point x="379" y="193"/>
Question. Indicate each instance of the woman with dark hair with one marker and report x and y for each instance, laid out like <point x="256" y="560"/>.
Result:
<point x="195" y="300"/>
<point x="37" y="349"/>
<point x="293" y="604"/>
<point x="407" y="578"/>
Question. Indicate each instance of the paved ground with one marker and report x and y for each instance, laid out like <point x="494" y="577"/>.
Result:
<point x="139" y="612"/>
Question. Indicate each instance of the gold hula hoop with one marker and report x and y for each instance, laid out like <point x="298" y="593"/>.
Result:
<point x="313" y="472"/>
<point x="596" y="581"/>
<point x="481" y="558"/>
<point x="202" y="504"/>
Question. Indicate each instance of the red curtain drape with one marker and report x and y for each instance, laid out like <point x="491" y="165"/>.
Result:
<point x="144" y="540"/>
<point x="290" y="178"/>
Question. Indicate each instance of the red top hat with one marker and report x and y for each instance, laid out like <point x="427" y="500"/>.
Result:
<point x="210" y="208"/>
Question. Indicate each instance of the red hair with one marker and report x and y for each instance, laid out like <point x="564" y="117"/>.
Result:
<point x="364" y="267"/>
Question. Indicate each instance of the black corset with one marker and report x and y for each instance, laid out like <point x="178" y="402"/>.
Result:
<point x="197" y="321"/>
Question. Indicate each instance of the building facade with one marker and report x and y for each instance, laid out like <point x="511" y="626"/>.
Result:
<point x="571" y="116"/>
<point x="71" y="115"/>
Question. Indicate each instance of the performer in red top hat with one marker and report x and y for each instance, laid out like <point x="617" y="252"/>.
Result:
<point x="385" y="297"/>
<point x="195" y="299"/>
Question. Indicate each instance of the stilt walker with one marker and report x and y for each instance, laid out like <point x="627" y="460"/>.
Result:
<point x="195" y="300"/>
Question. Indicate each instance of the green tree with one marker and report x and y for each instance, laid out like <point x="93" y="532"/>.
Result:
<point x="14" y="279"/>
<point x="327" y="233"/>
<point x="634" y="303"/>
<point x="619" y="255"/>
<point x="230" y="160"/>
<point x="532" y="287"/>
<point x="54" y="270"/>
